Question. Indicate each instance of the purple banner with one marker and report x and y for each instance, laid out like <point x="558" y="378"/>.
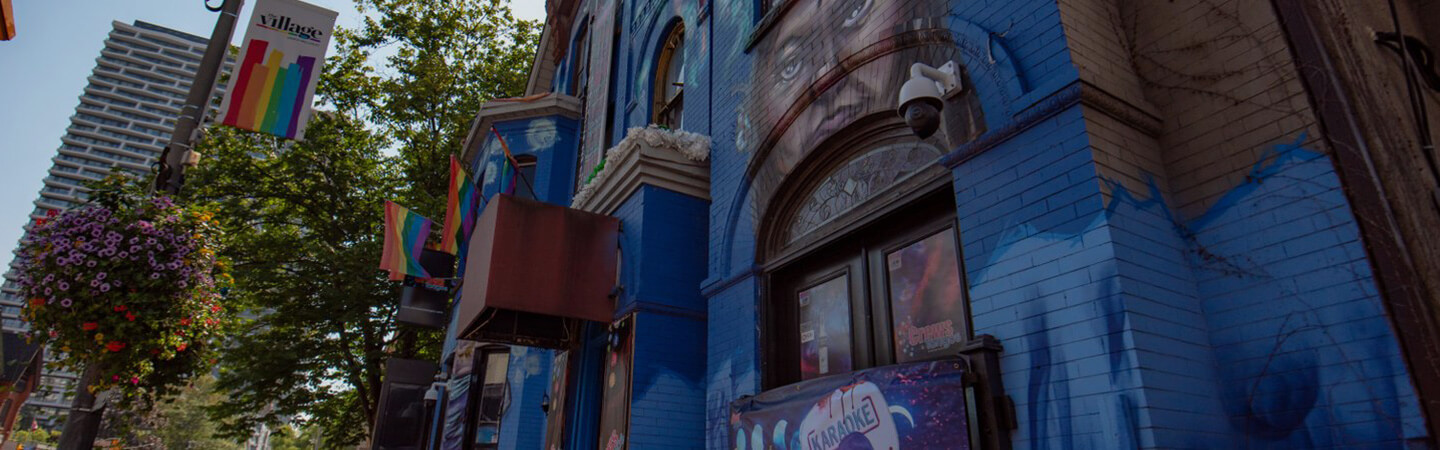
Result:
<point x="907" y="406"/>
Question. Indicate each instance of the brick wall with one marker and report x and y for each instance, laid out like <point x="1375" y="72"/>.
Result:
<point x="662" y="264"/>
<point x="522" y="426"/>
<point x="1236" y="247"/>
<point x="552" y="140"/>
<point x="1030" y="64"/>
<point x="1148" y="224"/>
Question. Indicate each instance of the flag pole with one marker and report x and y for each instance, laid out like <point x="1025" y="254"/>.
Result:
<point x="179" y="154"/>
<point x="513" y="163"/>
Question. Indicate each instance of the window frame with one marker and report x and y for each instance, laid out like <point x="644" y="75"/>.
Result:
<point x="523" y="180"/>
<point x="662" y="107"/>
<point x="861" y="252"/>
<point x="897" y="239"/>
<point x="478" y="398"/>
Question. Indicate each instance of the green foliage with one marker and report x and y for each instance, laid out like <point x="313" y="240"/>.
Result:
<point x="128" y="284"/>
<point x="449" y="58"/>
<point x="304" y="225"/>
<point x="177" y="423"/>
<point x="304" y="219"/>
<point x="288" y="437"/>
<point x="40" y="436"/>
<point x="185" y="423"/>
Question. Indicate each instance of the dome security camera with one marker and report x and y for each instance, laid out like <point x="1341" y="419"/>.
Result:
<point x="922" y="96"/>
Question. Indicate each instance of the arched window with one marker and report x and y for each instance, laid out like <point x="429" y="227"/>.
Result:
<point x="669" y="93"/>
<point x="862" y="256"/>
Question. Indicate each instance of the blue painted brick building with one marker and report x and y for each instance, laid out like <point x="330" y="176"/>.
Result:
<point x="1118" y="251"/>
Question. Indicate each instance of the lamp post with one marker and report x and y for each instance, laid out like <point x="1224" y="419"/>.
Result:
<point x="178" y="154"/>
<point x="83" y="423"/>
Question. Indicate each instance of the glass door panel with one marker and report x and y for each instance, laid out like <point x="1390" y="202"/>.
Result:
<point x="927" y="310"/>
<point x="825" y="335"/>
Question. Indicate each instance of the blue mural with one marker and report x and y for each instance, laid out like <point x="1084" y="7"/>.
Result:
<point x="1298" y="346"/>
<point x="1255" y="324"/>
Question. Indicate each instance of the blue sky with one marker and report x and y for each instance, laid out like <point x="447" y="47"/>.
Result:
<point x="43" y="70"/>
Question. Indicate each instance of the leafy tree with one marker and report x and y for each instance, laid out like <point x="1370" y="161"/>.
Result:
<point x="289" y="438"/>
<point x="448" y="58"/>
<point x="31" y="437"/>
<point x="304" y="222"/>
<point x="185" y="423"/>
<point x="180" y="422"/>
<point x="305" y="219"/>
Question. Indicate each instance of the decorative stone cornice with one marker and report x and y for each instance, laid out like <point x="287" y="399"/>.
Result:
<point x="674" y="160"/>
<point x="1139" y="117"/>
<point x="502" y="109"/>
<point x="1062" y="99"/>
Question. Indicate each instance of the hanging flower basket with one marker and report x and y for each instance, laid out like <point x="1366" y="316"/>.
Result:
<point x="131" y="285"/>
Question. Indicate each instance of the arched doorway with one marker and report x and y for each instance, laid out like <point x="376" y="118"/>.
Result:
<point x="861" y="258"/>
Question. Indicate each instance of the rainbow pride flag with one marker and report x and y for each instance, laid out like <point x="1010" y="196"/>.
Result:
<point x="269" y="95"/>
<point x="405" y="234"/>
<point x="460" y="208"/>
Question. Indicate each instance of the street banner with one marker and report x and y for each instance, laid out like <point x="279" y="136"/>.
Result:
<point x="907" y="406"/>
<point x="280" y="63"/>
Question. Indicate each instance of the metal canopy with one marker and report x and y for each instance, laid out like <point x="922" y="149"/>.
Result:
<point x="533" y="269"/>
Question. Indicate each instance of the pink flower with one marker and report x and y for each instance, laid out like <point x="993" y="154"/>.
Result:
<point x="134" y="380"/>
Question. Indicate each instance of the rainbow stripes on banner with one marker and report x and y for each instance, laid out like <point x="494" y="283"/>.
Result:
<point x="405" y="234"/>
<point x="279" y="66"/>
<point x="269" y="91"/>
<point x="460" y="208"/>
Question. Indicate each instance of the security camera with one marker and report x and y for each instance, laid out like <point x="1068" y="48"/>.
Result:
<point x="922" y="96"/>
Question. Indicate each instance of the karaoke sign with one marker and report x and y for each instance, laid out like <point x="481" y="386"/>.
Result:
<point x="907" y="406"/>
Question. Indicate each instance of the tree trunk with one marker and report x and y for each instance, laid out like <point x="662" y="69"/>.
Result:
<point x="83" y="424"/>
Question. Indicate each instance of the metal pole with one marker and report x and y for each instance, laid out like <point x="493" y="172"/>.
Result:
<point x="178" y="153"/>
<point x="83" y="423"/>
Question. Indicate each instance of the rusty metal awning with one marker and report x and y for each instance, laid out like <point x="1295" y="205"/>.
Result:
<point x="533" y="269"/>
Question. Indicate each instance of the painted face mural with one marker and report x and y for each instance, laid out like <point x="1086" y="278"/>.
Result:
<point x="827" y="65"/>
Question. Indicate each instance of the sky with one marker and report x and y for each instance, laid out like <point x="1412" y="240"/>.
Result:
<point x="43" y="71"/>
